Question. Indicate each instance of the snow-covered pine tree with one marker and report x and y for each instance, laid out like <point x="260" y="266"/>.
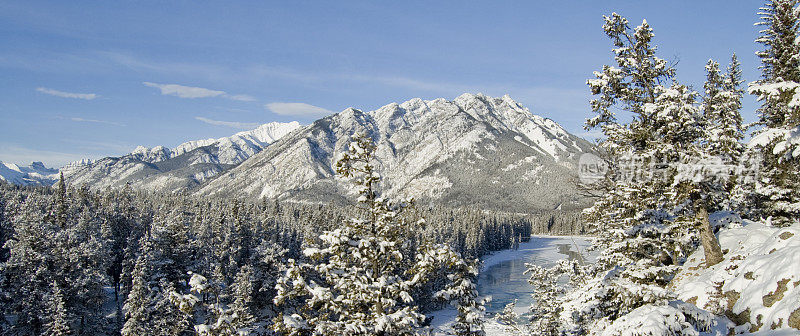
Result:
<point x="121" y="223"/>
<point x="630" y="85"/>
<point x="696" y="174"/>
<point x="268" y="263"/>
<point x="712" y="99"/>
<point x="628" y="216"/>
<point x="137" y="305"/>
<point x="220" y="319"/>
<point x="777" y="184"/>
<point x="461" y="291"/>
<point x="357" y="280"/>
<point x="643" y="222"/>
<point x="242" y="294"/>
<point x="722" y="103"/>
<point x="731" y="129"/>
<point x="508" y="316"/>
<point x="148" y="308"/>
<point x="780" y="59"/>
<point x="58" y="321"/>
<point x="547" y="292"/>
<point x="54" y="240"/>
<point x="724" y="134"/>
<point x="358" y="284"/>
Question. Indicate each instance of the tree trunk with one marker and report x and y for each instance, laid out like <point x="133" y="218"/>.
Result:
<point x="713" y="252"/>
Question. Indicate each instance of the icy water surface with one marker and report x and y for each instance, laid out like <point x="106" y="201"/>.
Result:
<point x="503" y="277"/>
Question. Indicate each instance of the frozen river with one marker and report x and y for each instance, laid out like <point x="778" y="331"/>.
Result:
<point x="503" y="274"/>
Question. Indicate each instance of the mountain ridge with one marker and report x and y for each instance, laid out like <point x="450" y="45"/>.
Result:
<point x="34" y="174"/>
<point x="421" y="146"/>
<point x="474" y="150"/>
<point x="187" y="165"/>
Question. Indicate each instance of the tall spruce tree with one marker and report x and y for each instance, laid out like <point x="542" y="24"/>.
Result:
<point x="58" y="323"/>
<point x="654" y="213"/>
<point x="137" y="305"/>
<point x="726" y="130"/>
<point x="777" y="184"/>
<point x="356" y="280"/>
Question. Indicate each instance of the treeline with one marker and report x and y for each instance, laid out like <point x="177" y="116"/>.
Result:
<point x="72" y="259"/>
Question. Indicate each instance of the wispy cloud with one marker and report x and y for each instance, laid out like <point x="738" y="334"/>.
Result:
<point x="232" y="124"/>
<point x="206" y="70"/>
<point x="241" y="97"/>
<point x="62" y="94"/>
<point x="192" y="92"/>
<point x="217" y="72"/>
<point x="184" y="91"/>
<point x="298" y="109"/>
<point x="96" y="121"/>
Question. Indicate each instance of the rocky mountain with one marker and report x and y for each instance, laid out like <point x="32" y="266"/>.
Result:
<point x="183" y="167"/>
<point x="34" y="174"/>
<point x="477" y="151"/>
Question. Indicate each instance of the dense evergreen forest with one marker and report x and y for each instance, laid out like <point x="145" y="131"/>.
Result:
<point x="77" y="258"/>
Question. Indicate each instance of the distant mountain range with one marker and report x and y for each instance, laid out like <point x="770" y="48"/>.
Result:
<point x="185" y="167"/>
<point x="34" y="174"/>
<point x="476" y="150"/>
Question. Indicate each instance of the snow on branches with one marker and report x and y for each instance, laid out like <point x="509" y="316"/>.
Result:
<point x="357" y="280"/>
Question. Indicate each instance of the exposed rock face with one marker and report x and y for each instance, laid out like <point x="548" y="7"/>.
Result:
<point x="480" y="151"/>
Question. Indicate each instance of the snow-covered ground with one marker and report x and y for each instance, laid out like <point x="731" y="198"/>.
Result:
<point x="757" y="282"/>
<point x="502" y="278"/>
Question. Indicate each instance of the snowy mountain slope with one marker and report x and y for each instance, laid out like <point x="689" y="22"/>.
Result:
<point x="185" y="166"/>
<point x="34" y="174"/>
<point x="474" y="150"/>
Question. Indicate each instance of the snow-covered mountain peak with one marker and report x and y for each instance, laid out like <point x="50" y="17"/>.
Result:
<point x="79" y="163"/>
<point x="456" y="151"/>
<point x="251" y="142"/>
<point x="270" y="132"/>
<point x="38" y="165"/>
<point x="155" y="154"/>
<point x="34" y="174"/>
<point x="187" y="165"/>
<point x="503" y="114"/>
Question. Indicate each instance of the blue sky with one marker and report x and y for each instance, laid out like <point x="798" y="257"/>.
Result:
<point x="87" y="79"/>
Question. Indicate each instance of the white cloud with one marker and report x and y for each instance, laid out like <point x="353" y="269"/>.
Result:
<point x="62" y="94"/>
<point x="96" y="121"/>
<point x="232" y="124"/>
<point x="241" y="97"/>
<point x="192" y="92"/>
<point x="298" y="109"/>
<point x="184" y="91"/>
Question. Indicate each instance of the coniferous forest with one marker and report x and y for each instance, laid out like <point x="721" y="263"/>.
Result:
<point x="694" y="225"/>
